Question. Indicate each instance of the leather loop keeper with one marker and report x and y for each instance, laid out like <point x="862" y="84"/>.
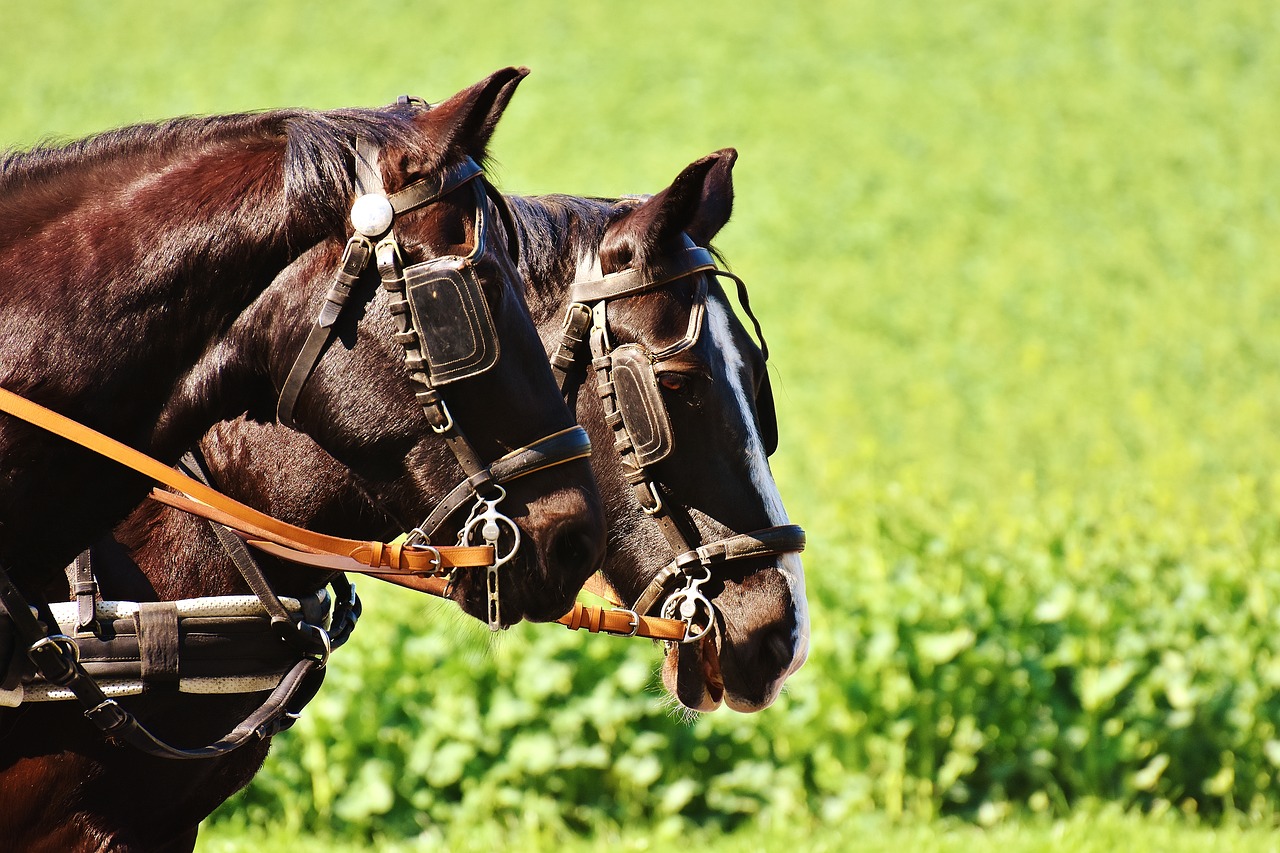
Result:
<point x="157" y="628"/>
<point x="622" y="623"/>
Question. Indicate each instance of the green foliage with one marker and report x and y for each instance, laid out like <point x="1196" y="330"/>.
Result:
<point x="1011" y="259"/>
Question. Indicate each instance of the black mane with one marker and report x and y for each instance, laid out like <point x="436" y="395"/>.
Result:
<point x="557" y="230"/>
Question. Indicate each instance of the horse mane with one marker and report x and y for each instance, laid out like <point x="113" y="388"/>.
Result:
<point x="317" y="172"/>
<point x="557" y="231"/>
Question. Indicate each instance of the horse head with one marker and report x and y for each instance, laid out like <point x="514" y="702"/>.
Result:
<point x="438" y="292"/>
<point x="698" y="529"/>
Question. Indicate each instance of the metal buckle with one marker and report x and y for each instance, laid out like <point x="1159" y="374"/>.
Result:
<point x="437" y="559"/>
<point x="657" y="499"/>
<point x="67" y="644"/>
<point x="326" y="648"/>
<point x="448" y="420"/>
<point x="635" y="621"/>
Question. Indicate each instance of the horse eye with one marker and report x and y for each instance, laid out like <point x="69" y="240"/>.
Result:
<point x="672" y="381"/>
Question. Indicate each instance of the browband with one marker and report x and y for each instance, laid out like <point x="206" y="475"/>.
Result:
<point x="629" y="281"/>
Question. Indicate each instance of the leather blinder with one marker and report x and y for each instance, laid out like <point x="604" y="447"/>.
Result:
<point x="640" y="402"/>
<point x="455" y="327"/>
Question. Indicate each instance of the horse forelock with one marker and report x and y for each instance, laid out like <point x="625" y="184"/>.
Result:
<point x="318" y="167"/>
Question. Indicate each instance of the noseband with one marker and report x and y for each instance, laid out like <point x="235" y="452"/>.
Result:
<point x="627" y="382"/>
<point x="444" y="323"/>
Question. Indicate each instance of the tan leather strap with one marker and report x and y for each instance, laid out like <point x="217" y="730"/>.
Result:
<point x="381" y="556"/>
<point x="622" y="623"/>
<point x="619" y="621"/>
<point x="335" y="554"/>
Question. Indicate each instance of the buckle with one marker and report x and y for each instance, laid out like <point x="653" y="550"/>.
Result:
<point x="57" y="658"/>
<point x="634" y="619"/>
<point x="437" y="559"/>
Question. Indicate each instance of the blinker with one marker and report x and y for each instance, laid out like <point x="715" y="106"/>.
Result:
<point x="640" y="403"/>
<point x="455" y="327"/>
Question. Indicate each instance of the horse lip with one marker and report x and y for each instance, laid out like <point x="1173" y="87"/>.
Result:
<point x="691" y="673"/>
<point x="712" y="675"/>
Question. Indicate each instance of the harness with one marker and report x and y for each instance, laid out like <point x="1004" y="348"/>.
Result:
<point x="445" y="326"/>
<point x="628" y="385"/>
<point x="444" y="323"/>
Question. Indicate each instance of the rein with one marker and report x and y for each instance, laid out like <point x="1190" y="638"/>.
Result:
<point x="628" y="386"/>
<point x="384" y="559"/>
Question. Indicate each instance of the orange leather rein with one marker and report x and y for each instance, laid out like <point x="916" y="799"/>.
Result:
<point x="418" y="567"/>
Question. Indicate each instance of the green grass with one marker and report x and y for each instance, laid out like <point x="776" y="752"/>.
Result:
<point x="1089" y="830"/>
<point x="1013" y="264"/>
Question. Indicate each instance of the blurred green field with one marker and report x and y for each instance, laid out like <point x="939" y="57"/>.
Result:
<point x="1011" y="261"/>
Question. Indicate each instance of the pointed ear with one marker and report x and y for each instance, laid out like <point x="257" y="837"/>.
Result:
<point x="466" y="121"/>
<point x="697" y="203"/>
<point x="716" y="205"/>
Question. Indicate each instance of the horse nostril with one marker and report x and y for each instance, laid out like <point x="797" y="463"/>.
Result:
<point x="777" y="650"/>
<point x="575" y="552"/>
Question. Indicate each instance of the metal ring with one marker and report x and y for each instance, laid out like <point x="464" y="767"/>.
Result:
<point x="693" y="638"/>
<point x="415" y="536"/>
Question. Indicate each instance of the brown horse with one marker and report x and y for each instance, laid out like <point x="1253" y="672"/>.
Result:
<point x="141" y="296"/>
<point x="697" y="528"/>
<point x="760" y="631"/>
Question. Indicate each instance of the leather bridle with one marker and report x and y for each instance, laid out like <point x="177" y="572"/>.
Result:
<point x="434" y="357"/>
<point x="444" y="323"/>
<point x="627" y="383"/>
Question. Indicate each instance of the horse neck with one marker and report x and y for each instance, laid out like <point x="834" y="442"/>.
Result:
<point x="137" y="248"/>
<point x="170" y="554"/>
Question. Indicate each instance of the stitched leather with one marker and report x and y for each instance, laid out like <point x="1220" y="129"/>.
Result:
<point x="624" y="623"/>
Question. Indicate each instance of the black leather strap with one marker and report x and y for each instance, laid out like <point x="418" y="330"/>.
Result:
<point x="564" y="446"/>
<point x="157" y="630"/>
<point x="85" y="589"/>
<point x="630" y="281"/>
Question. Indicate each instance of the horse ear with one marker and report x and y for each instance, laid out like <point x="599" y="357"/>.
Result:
<point x="697" y="203"/>
<point x="716" y="205"/>
<point x="468" y="119"/>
